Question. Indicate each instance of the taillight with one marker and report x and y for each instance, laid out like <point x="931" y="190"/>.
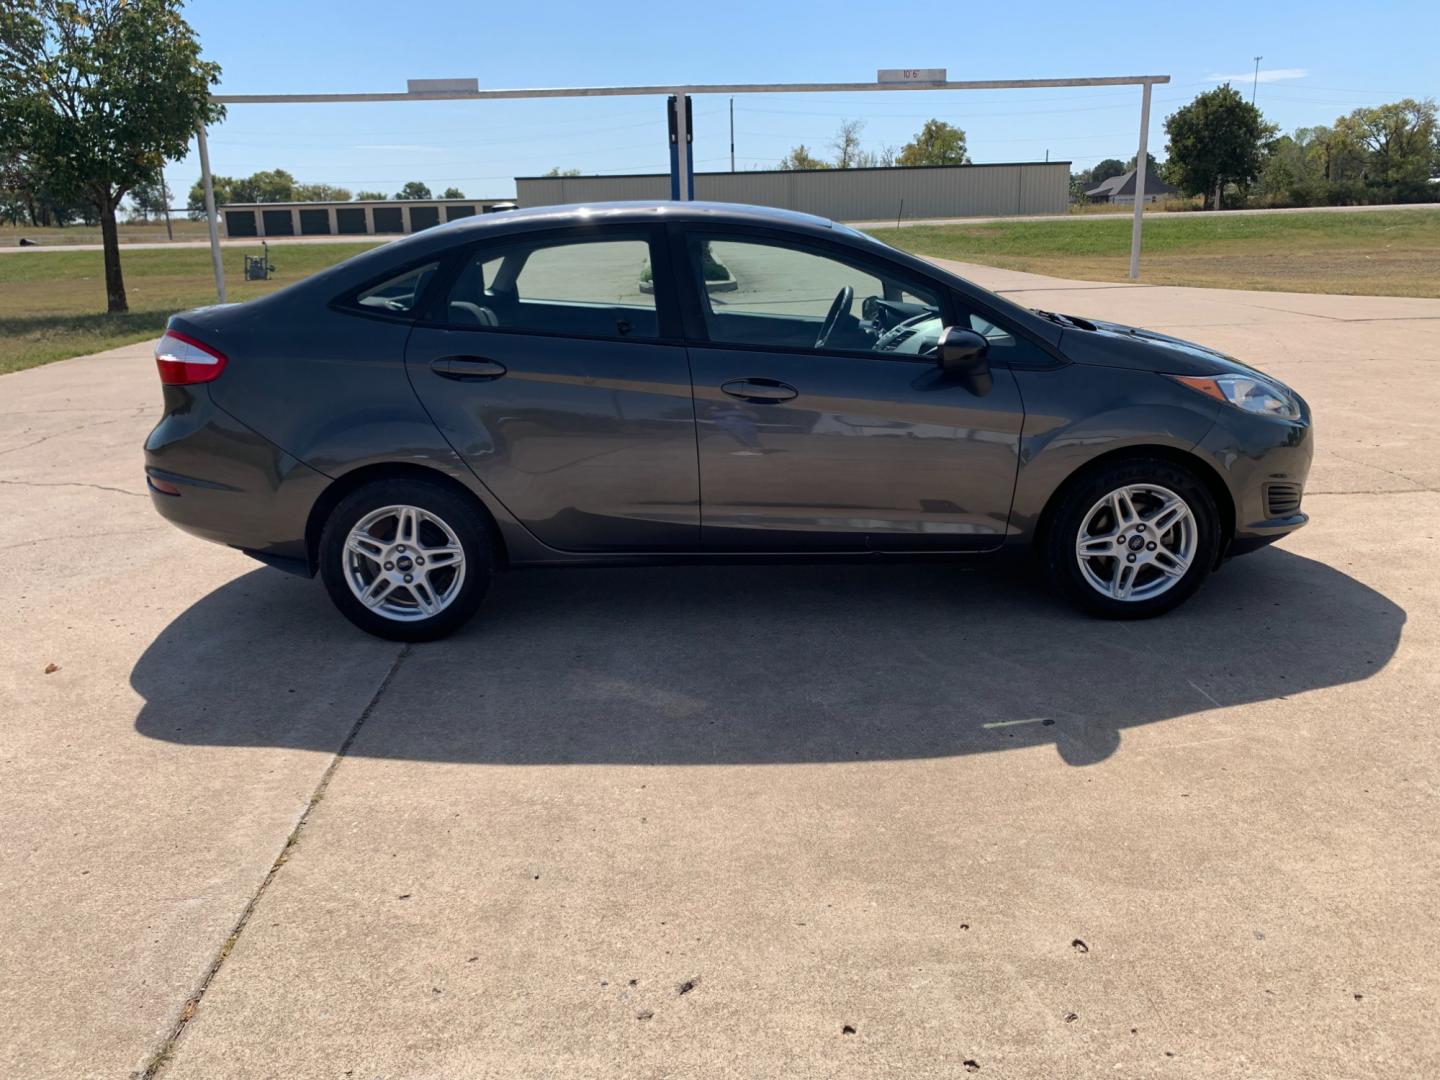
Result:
<point x="184" y="361"/>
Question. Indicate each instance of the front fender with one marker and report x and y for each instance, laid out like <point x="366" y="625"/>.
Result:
<point x="1075" y="414"/>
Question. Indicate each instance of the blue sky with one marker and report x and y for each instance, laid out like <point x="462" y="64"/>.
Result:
<point x="1320" y="60"/>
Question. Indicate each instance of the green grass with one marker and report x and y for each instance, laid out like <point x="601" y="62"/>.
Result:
<point x="52" y="304"/>
<point x="1384" y="253"/>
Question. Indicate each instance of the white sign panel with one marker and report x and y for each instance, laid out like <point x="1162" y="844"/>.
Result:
<point x="910" y="75"/>
<point x="442" y="86"/>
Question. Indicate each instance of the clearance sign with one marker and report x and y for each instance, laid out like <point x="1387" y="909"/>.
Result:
<point x="910" y="75"/>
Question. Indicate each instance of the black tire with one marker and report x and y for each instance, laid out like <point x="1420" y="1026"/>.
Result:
<point x="1073" y="507"/>
<point x="469" y="525"/>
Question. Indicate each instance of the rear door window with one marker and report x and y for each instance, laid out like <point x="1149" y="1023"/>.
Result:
<point x="588" y="287"/>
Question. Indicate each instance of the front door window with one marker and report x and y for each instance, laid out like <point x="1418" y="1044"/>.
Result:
<point x="772" y="296"/>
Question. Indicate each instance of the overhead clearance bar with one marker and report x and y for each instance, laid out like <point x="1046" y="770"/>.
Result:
<point x="887" y="81"/>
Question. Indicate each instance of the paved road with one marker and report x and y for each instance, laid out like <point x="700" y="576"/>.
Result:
<point x="706" y="821"/>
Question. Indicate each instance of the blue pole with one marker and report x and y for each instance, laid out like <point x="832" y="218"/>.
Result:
<point x="674" y="150"/>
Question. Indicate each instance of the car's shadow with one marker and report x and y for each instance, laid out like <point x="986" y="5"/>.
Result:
<point x="758" y="664"/>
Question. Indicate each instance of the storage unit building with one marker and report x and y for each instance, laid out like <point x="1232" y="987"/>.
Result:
<point x="389" y="216"/>
<point x="879" y="194"/>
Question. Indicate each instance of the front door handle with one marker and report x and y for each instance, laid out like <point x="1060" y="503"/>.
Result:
<point x="760" y="391"/>
<point x="467" y="368"/>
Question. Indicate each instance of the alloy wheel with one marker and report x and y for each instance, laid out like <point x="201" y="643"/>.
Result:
<point x="1137" y="542"/>
<point x="404" y="563"/>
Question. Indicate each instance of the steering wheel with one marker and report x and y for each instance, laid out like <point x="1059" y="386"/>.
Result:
<point x="843" y="300"/>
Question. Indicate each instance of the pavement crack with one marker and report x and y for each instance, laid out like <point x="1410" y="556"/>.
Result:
<point x="85" y="536"/>
<point x="67" y="431"/>
<point x="72" y="483"/>
<point x="1376" y="491"/>
<point x="166" y="1051"/>
<point x="1381" y="468"/>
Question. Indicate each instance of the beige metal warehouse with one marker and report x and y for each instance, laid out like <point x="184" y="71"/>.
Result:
<point x="841" y="194"/>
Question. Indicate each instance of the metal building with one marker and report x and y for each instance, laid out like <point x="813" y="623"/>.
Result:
<point x="360" y="218"/>
<point x="880" y="194"/>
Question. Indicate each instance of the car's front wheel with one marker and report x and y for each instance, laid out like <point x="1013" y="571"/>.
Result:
<point x="407" y="560"/>
<point x="1133" y="538"/>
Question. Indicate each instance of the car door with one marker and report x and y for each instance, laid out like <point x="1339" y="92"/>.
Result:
<point x="858" y="442"/>
<point x="552" y="362"/>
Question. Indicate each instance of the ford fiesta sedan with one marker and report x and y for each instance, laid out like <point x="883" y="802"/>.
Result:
<point x="653" y="382"/>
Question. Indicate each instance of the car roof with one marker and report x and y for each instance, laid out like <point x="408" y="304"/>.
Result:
<point x="642" y="209"/>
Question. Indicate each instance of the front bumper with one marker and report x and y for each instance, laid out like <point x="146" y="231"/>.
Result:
<point x="1264" y="463"/>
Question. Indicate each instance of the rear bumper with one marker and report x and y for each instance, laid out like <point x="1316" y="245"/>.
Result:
<point x="222" y="482"/>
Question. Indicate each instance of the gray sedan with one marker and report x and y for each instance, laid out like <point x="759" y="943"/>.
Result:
<point x="656" y="382"/>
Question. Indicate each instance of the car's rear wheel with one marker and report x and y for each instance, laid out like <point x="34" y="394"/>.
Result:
<point x="407" y="560"/>
<point x="1132" y="539"/>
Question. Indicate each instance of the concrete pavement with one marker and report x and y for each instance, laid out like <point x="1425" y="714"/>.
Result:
<point x="702" y="821"/>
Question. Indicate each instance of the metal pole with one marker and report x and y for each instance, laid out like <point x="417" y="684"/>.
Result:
<point x="682" y="148"/>
<point x="732" y="134"/>
<point x="210" y="213"/>
<point x="165" y="195"/>
<point x="1255" y="85"/>
<point x="1141" y="161"/>
<point x="694" y="88"/>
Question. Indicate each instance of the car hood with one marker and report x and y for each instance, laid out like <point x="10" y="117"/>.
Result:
<point x="1109" y="344"/>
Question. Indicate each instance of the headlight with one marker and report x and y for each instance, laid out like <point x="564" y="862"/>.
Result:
<point x="1248" y="392"/>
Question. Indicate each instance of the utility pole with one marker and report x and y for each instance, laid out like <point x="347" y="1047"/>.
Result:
<point x="1142" y="159"/>
<point x="165" y="198"/>
<point x="210" y="214"/>
<point x="1254" y="85"/>
<point x="732" y="134"/>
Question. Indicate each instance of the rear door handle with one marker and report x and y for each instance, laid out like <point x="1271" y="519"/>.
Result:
<point x="467" y="368"/>
<point x="760" y="391"/>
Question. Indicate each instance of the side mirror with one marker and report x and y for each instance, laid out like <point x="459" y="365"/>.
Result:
<point x="965" y="355"/>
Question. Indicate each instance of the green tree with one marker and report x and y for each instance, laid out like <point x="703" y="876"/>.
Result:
<point x="1152" y="167"/>
<point x="557" y="171"/>
<point x="224" y="188"/>
<point x="413" y="189"/>
<point x="13" y="204"/>
<point x="1398" y="140"/>
<point x="25" y="187"/>
<point x="1218" y="139"/>
<point x="846" y="145"/>
<point x="937" y="143"/>
<point x="370" y="196"/>
<point x="151" y="198"/>
<point x="268" y="185"/>
<point x="99" y="94"/>
<point x="1106" y="169"/>
<point x="800" y="158"/>
<point x="452" y="193"/>
<point x="321" y="193"/>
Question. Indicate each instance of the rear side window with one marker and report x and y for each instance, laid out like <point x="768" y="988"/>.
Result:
<point x="400" y="294"/>
<point x="593" y="288"/>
